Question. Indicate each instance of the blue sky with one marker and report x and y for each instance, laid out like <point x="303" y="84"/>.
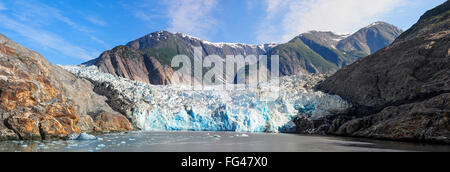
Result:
<point x="74" y="31"/>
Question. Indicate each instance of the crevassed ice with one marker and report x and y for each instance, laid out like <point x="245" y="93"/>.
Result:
<point x="162" y="108"/>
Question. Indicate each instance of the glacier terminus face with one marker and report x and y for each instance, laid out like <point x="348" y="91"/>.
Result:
<point x="174" y="108"/>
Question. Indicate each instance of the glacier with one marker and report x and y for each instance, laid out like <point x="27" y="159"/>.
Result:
<point x="175" y="108"/>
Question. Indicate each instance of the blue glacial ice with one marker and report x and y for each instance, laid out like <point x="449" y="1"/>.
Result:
<point x="174" y="108"/>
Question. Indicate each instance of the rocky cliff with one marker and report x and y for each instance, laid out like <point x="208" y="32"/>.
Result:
<point x="402" y="92"/>
<point x="42" y="101"/>
<point x="129" y="63"/>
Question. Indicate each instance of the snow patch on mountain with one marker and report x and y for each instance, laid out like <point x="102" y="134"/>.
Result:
<point x="264" y="47"/>
<point x="374" y="24"/>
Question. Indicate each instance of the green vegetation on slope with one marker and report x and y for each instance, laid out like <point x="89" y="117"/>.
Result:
<point x="328" y="53"/>
<point x="125" y="52"/>
<point x="165" y="51"/>
<point x="295" y="53"/>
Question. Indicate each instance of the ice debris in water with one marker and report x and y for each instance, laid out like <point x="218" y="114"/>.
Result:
<point x="173" y="107"/>
<point x="242" y="135"/>
<point x="82" y="136"/>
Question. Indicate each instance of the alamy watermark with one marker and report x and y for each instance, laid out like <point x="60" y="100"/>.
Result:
<point x="234" y="72"/>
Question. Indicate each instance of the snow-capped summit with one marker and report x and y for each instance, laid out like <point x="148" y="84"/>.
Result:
<point x="264" y="47"/>
<point x="376" y="23"/>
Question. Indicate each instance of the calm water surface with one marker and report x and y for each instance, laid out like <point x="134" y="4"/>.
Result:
<point x="215" y="142"/>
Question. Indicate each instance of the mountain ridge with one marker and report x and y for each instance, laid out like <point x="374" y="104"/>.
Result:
<point x="152" y="54"/>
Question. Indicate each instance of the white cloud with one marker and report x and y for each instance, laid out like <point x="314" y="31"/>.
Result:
<point x="286" y="19"/>
<point x="42" y="14"/>
<point x="99" y="4"/>
<point x="142" y="15"/>
<point x="46" y="39"/>
<point x="99" y="41"/>
<point x="32" y="19"/>
<point x="96" y="21"/>
<point x="193" y="17"/>
<point x="146" y="10"/>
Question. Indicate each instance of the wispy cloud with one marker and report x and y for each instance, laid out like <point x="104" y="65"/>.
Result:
<point x="148" y="11"/>
<point x="99" y="4"/>
<point x="32" y="20"/>
<point x="286" y="19"/>
<point x="46" y="39"/>
<point x="2" y="6"/>
<point x="42" y="14"/>
<point x="144" y="15"/>
<point x="192" y="17"/>
<point x="96" y="21"/>
<point x="99" y="41"/>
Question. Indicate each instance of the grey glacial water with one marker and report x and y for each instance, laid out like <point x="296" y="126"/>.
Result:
<point x="215" y="142"/>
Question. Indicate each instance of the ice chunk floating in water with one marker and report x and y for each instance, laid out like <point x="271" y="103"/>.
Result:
<point x="161" y="108"/>
<point x="82" y="136"/>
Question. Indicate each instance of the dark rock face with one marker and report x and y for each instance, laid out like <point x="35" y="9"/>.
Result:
<point x="433" y="21"/>
<point x="115" y="99"/>
<point x="423" y="121"/>
<point x="39" y="100"/>
<point x="304" y="126"/>
<point x="420" y="70"/>
<point x="402" y="91"/>
<point x="426" y="121"/>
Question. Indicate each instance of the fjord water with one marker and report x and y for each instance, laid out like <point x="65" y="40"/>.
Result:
<point x="215" y="142"/>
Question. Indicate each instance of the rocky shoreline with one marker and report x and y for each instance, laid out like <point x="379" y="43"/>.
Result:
<point x="39" y="101"/>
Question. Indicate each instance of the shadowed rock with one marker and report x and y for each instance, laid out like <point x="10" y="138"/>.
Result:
<point x="402" y="91"/>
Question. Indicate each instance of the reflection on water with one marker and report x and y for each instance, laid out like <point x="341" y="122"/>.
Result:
<point x="214" y="142"/>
